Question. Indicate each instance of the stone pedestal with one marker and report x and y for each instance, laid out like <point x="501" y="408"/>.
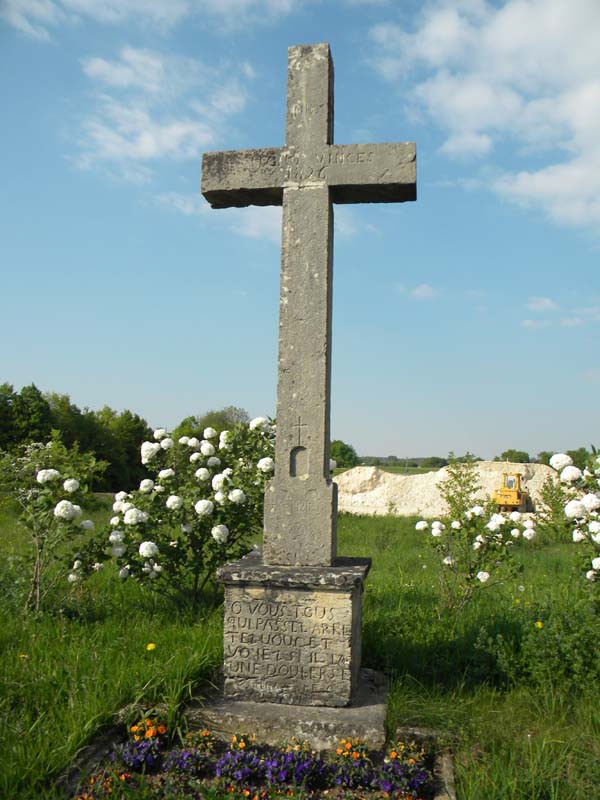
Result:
<point x="292" y="635"/>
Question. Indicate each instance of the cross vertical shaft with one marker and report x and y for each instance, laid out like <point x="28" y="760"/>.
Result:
<point x="300" y="501"/>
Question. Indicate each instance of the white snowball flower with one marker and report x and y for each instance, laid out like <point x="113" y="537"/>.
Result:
<point x="495" y="523"/>
<point x="159" y="434"/>
<point x="514" y="516"/>
<point x="115" y="521"/>
<point x="594" y="526"/>
<point x="165" y="474"/>
<point x="213" y="461"/>
<point x="515" y="533"/>
<point x="159" y="489"/>
<point x="146" y="486"/>
<point x="97" y="566"/>
<point x="184" y="439"/>
<point x="118" y="550"/>
<point x="202" y="474"/>
<point x="194" y="443"/>
<point x="78" y="511"/>
<point x="148" y="550"/>
<point x="87" y="525"/>
<point x="590" y="575"/>
<point x="455" y="525"/>
<point x="570" y="474"/>
<point x="167" y="443"/>
<point x="65" y="510"/>
<point x="220" y="533"/>
<point x="220" y="498"/>
<point x="126" y="506"/>
<point x="72" y="578"/>
<point x="71" y="485"/>
<point x="595" y="537"/>
<point x="228" y="472"/>
<point x="187" y="528"/>
<point x="421" y="525"/>
<point x="207" y="449"/>
<point x="204" y="508"/>
<point x="478" y="511"/>
<point x="120" y="496"/>
<point x="560" y="461"/>
<point x="134" y="516"/>
<point x="529" y="523"/>
<point x="259" y="423"/>
<point x="115" y="537"/>
<point x="436" y="533"/>
<point x="448" y="561"/>
<point x="218" y="482"/>
<point x="476" y="545"/>
<point x="528" y="533"/>
<point x="574" y="509"/>
<point x="46" y="475"/>
<point x="237" y="496"/>
<point x="174" y="502"/>
<point x="578" y="536"/>
<point x="596" y="563"/>
<point x="149" y="450"/>
<point x="267" y="464"/>
<point x="483" y="576"/>
<point x="209" y="433"/>
<point x="76" y="564"/>
<point x="224" y="436"/>
<point x="591" y="501"/>
<point x="195" y="457"/>
<point x="124" y="572"/>
<point x="439" y="525"/>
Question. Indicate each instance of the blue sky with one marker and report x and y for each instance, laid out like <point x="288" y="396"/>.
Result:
<point x="466" y="320"/>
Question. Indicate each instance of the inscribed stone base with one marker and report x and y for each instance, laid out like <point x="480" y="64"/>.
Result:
<point x="274" y="724"/>
<point x="292" y="635"/>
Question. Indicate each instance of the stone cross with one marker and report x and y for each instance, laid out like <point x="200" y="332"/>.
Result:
<point x="306" y="176"/>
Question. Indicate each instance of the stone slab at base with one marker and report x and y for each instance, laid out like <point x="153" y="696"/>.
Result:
<point x="275" y="724"/>
<point x="292" y="635"/>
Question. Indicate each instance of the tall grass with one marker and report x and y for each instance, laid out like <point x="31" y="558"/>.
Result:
<point x="525" y="729"/>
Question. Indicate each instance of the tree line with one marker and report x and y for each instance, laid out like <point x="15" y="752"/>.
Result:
<point x="30" y="415"/>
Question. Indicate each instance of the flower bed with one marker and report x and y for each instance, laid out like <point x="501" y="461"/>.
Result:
<point x="150" y="766"/>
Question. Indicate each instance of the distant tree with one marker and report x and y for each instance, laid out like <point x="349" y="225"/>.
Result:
<point x="579" y="456"/>
<point x="118" y="440"/>
<point x="370" y="461"/>
<point x="7" y="423"/>
<point x="220" y="419"/>
<point x="343" y="454"/>
<point x="434" y="461"/>
<point x="544" y="457"/>
<point x="515" y="456"/>
<point x="392" y="459"/>
<point x="31" y="415"/>
<point x="65" y="417"/>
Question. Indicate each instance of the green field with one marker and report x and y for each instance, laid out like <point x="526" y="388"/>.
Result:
<point x="522" y="719"/>
<point x="397" y="470"/>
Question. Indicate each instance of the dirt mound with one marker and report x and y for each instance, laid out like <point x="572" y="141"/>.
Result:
<point x="371" y="491"/>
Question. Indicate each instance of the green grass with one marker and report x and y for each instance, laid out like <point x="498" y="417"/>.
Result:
<point x="396" y="470"/>
<point x="530" y="735"/>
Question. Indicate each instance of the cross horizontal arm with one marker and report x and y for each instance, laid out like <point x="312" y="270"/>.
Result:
<point x="355" y="173"/>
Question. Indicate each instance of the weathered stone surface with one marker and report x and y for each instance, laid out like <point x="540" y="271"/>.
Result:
<point x="292" y="635"/>
<point x="306" y="176"/>
<point x="275" y="724"/>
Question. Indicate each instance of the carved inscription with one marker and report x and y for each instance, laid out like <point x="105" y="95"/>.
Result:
<point x="299" y="167"/>
<point x="292" y="642"/>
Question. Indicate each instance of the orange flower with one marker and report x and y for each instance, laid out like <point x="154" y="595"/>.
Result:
<point x="136" y="738"/>
<point x="355" y="755"/>
<point x="134" y="728"/>
<point x="150" y="733"/>
<point x="348" y="746"/>
<point x="204" y="733"/>
<point x="162" y="729"/>
<point x="339" y="751"/>
<point x="148" y="722"/>
<point x="246" y="792"/>
<point x="393" y="754"/>
<point x="242" y="744"/>
<point x="411" y="761"/>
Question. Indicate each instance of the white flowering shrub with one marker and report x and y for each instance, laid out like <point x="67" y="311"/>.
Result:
<point x="474" y="543"/>
<point x="201" y="507"/>
<point x="581" y="511"/>
<point x="49" y="484"/>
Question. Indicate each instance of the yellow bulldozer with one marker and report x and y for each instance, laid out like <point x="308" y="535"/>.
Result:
<point x="510" y="496"/>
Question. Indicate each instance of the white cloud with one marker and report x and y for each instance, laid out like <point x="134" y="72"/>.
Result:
<point x="35" y="18"/>
<point x="255" y="222"/>
<point x="143" y="110"/>
<point x="541" y="304"/>
<point x="187" y="204"/>
<point x="424" y="292"/>
<point x="534" y="323"/>
<point x="524" y="72"/>
<point x="571" y="322"/>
